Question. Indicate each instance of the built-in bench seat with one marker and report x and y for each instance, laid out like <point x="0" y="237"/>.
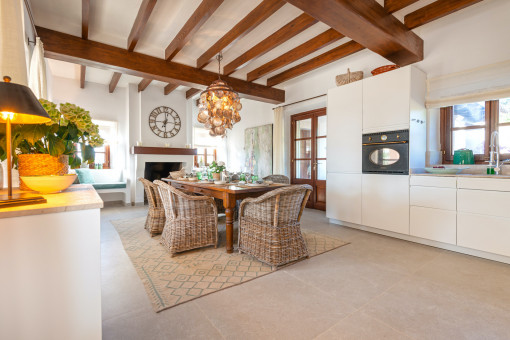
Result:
<point x="105" y="181"/>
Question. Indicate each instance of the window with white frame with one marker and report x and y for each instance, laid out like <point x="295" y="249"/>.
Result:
<point x="108" y="131"/>
<point x="208" y="148"/>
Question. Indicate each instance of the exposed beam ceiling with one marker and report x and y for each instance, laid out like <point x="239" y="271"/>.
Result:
<point x="169" y="88"/>
<point x="141" y="20"/>
<point x="288" y="31"/>
<point x="435" y="10"/>
<point x="321" y="60"/>
<point x="73" y="49"/>
<point x="368" y="23"/>
<point x="299" y="52"/>
<point x="263" y="11"/>
<point x="85" y="14"/>
<point x="396" y="5"/>
<point x="114" y="81"/>
<point x="191" y="92"/>
<point x="143" y="84"/>
<point x="197" y="19"/>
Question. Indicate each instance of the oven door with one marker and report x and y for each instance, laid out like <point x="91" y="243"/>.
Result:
<point x="386" y="158"/>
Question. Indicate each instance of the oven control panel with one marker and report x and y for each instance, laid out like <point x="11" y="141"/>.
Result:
<point x="399" y="136"/>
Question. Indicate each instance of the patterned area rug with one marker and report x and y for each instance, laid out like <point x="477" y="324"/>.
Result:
<point x="170" y="281"/>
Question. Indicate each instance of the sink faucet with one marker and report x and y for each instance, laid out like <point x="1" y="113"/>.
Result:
<point x="495" y="150"/>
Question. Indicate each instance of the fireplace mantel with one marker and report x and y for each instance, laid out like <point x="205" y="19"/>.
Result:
<point x="154" y="150"/>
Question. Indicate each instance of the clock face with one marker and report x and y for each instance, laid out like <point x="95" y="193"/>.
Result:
<point x="164" y="122"/>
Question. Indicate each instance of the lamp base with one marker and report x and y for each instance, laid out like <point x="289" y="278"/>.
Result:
<point x="20" y="199"/>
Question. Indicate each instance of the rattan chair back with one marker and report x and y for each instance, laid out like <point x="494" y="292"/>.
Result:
<point x="277" y="179"/>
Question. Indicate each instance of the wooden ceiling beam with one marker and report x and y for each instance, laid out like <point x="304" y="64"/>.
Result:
<point x="368" y="23"/>
<point x="114" y="81"/>
<point x="139" y="25"/>
<point x="321" y="60"/>
<point x="435" y="10"/>
<point x="65" y="47"/>
<point x="143" y="84"/>
<point x="396" y="5"/>
<point x="197" y="19"/>
<point x="191" y="92"/>
<point x="310" y="46"/>
<point x="169" y="88"/>
<point x="288" y="31"/>
<point x="263" y="11"/>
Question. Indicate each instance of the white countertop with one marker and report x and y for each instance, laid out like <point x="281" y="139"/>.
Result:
<point x="76" y="197"/>
<point x="463" y="175"/>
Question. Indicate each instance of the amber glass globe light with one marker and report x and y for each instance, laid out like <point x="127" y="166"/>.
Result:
<point x="219" y="106"/>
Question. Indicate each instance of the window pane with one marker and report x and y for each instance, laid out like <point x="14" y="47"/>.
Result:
<point x="321" y="170"/>
<point x="504" y="110"/>
<point x="99" y="158"/>
<point x="304" y="128"/>
<point x="321" y="125"/>
<point x="470" y="139"/>
<point x="504" y="139"/>
<point x="303" y="169"/>
<point x="303" y="148"/>
<point x="471" y="114"/>
<point x="321" y="147"/>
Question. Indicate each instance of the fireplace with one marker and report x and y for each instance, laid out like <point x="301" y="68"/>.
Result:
<point x="158" y="170"/>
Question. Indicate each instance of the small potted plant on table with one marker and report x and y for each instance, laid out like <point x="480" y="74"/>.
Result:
<point x="216" y="169"/>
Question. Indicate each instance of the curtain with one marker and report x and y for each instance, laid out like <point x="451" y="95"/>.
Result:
<point x="12" y="41"/>
<point x="483" y="83"/>
<point x="279" y="142"/>
<point x="37" y="76"/>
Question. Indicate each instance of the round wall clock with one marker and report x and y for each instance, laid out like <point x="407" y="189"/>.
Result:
<point x="164" y="122"/>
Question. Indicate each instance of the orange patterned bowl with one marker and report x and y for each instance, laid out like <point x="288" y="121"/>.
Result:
<point x="383" y="69"/>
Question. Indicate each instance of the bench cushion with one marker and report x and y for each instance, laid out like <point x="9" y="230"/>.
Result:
<point x="116" y="185"/>
<point x="85" y="176"/>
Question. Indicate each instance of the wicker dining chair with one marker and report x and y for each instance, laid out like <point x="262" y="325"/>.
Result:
<point x="191" y="221"/>
<point x="269" y="227"/>
<point x="277" y="179"/>
<point x="155" y="221"/>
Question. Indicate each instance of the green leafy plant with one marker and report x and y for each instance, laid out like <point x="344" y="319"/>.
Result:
<point x="70" y="126"/>
<point x="217" y="167"/>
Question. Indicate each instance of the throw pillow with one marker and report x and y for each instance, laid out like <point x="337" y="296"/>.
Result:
<point x="85" y="176"/>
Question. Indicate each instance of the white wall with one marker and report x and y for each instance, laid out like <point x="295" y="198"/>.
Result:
<point x="253" y="114"/>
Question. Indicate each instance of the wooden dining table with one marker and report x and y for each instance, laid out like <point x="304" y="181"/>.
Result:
<point x="229" y="193"/>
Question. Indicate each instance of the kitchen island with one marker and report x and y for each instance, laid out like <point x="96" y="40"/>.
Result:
<point x="51" y="269"/>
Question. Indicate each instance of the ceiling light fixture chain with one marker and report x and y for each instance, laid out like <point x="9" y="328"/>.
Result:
<point x="219" y="106"/>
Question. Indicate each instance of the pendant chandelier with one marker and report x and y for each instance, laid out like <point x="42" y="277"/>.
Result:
<point x="219" y="106"/>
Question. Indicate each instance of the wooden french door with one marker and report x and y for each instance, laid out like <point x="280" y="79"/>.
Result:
<point x="308" y="154"/>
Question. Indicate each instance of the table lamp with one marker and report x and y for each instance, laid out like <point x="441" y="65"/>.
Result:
<point x="18" y="105"/>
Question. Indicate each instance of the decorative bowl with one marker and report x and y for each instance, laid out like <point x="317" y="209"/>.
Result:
<point x="384" y="69"/>
<point x="444" y="171"/>
<point x="49" y="184"/>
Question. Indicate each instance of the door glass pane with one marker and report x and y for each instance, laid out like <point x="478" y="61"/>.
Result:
<point x="384" y="156"/>
<point x="504" y="110"/>
<point x="321" y="125"/>
<point x="304" y="169"/>
<point x="470" y="139"/>
<point x="504" y="139"/>
<point x="471" y="114"/>
<point x="321" y="170"/>
<point x="304" y="128"/>
<point x="321" y="147"/>
<point x="304" y="148"/>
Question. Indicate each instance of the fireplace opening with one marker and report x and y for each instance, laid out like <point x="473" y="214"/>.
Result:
<point x="159" y="170"/>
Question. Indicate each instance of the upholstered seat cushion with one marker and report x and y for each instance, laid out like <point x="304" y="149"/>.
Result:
<point x="85" y="176"/>
<point x="116" y="185"/>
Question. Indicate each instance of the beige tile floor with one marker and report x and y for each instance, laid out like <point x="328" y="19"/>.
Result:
<point x="374" y="288"/>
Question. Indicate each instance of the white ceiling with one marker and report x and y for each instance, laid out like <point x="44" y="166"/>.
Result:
<point x="111" y="22"/>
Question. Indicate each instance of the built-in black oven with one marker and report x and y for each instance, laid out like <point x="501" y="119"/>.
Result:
<point x="386" y="152"/>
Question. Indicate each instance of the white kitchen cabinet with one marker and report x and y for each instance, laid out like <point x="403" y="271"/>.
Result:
<point x="344" y="128"/>
<point x="430" y="197"/>
<point x="434" y="224"/>
<point x="344" y="197"/>
<point x="434" y="181"/>
<point x="493" y="203"/>
<point x="385" y="202"/>
<point x="390" y="98"/>
<point x="483" y="232"/>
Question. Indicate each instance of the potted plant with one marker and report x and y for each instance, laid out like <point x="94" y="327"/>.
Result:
<point x="216" y="169"/>
<point x="49" y="149"/>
